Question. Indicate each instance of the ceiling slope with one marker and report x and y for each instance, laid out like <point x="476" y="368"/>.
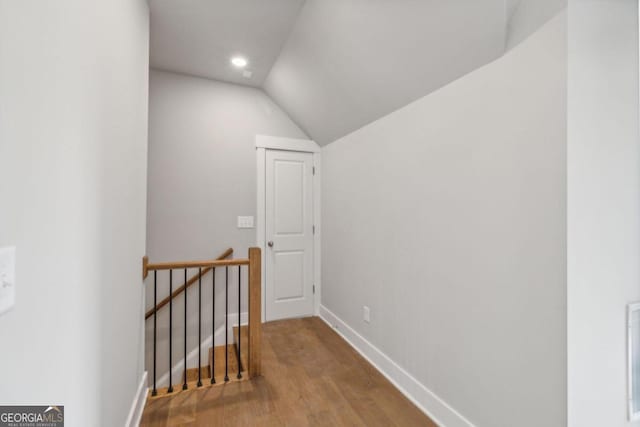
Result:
<point x="348" y="63"/>
<point x="199" y="37"/>
<point x="526" y="16"/>
<point x="511" y="6"/>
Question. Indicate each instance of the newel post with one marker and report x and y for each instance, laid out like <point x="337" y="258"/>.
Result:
<point x="255" y="314"/>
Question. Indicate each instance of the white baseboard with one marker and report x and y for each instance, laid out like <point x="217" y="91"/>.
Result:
<point x="428" y="402"/>
<point x="192" y="356"/>
<point x="137" y="406"/>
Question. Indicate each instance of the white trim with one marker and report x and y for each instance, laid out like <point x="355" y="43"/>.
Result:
<point x="317" y="238"/>
<point x="287" y="144"/>
<point x="264" y="143"/>
<point x="137" y="406"/>
<point x="633" y="416"/>
<point x="261" y="156"/>
<point x="427" y="401"/>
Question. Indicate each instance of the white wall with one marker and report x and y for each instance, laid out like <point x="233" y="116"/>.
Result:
<point x="603" y="207"/>
<point x="202" y="175"/>
<point x="123" y="208"/>
<point x="73" y="78"/>
<point x="447" y="218"/>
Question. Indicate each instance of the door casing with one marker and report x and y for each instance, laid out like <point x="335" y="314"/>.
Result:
<point x="264" y="143"/>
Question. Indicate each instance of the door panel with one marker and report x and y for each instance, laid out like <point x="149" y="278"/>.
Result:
<point x="289" y="197"/>
<point x="288" y="275"/>
<point x="289" y="234"/>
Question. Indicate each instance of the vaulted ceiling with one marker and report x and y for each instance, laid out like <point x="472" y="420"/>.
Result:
<point x="198" y="37"/>
<point x="336" y="65"/>
<point x="348" y="63"/>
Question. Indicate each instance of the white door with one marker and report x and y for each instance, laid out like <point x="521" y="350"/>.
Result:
<point x="289" y="234"/>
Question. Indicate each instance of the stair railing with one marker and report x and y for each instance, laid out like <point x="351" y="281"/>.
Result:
<point x="196" y="277"/>
<point x="253" y="267"/>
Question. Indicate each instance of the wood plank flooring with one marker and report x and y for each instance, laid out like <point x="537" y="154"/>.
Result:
<point x="311" y="377"/>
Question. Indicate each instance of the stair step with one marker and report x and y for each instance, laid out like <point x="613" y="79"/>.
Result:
<point x="192" y="385"/>
<point x="243" y="331"/>
<point x="220" y="359"/>
<point x="192" y="373"/>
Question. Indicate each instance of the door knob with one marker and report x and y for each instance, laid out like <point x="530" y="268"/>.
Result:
<point x="270" y="243"/>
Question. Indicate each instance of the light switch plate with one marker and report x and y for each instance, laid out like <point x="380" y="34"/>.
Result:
<point x="366" y="314"/>
<point x="7" y="278"/>
<point x="245" y="222"/>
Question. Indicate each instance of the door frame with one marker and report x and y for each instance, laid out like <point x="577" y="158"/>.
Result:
<point x="264" y="143"/>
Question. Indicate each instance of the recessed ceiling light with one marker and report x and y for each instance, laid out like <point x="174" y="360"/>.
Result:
<point x="239" y="61"/>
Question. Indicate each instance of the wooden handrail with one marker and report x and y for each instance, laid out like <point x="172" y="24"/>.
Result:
<point x="153" y="267"/>
<point x="180" y="265"/>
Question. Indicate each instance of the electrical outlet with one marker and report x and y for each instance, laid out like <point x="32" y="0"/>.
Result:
<point x="7" y="278"/>
<point x="366" y="314"/>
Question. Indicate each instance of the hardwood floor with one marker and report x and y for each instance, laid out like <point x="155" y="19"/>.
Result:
<point x="311" y="377"/>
